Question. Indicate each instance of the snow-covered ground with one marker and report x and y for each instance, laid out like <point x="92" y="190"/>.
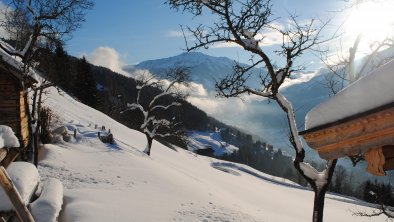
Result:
<point x="119" y="183"/>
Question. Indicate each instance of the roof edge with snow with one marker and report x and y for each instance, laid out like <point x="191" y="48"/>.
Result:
<point x="368" y="94"/>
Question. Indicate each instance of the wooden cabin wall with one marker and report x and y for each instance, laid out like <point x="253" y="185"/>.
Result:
<point x="12" y="109"/>
<point x="9" y="97"/>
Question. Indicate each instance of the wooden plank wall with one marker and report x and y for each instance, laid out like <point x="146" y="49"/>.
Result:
<point x="24" y="122"/>
<point x="10" y="98"/>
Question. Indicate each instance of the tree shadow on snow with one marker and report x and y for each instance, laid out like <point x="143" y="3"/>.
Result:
<point x="231" y="167"/>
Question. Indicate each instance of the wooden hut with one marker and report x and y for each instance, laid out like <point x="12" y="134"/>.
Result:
<point x="357" y="121"/>
<point x="13" y="100"/>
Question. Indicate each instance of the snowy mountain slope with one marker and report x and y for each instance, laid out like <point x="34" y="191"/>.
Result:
<point x="119" y="183"/>
<point x="204" y="69"/>
<point x="201" y="140"/>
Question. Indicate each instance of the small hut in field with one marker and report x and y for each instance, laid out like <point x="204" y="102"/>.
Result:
<point x="13" y="99"/>
<point x="359" y="120"/>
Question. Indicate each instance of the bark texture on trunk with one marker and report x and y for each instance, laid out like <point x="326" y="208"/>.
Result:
<point x="149" y="144"/>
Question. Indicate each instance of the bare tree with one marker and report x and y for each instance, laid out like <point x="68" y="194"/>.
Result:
<point x="33" y="25"/>
<point x="243" y="23"/>
<point x="169" y="94"/>
<point x="381" y="210"/>
<point x="34" y="22"/>
<point x="342" y="66"/>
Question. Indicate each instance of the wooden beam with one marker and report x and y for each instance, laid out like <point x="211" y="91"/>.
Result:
<point x="376" y="161"/>
<point x="3" y="154"/>
<point x="21" y="210"/>
<point x="357" y="141"/>
<point x="12" y="154"/>
<point x="354" y="136"/>
<point x="388" y="151"/>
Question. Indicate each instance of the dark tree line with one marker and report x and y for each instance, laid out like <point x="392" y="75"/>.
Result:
<point x="70" y="74"/>
<point x="260" y="155"/>
<point x="377" y="193"/>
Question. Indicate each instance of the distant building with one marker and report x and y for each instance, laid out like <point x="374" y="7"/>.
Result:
<point x="206" y="152"/>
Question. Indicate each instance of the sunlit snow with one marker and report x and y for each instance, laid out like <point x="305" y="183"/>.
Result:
<point x="119" y="182"/>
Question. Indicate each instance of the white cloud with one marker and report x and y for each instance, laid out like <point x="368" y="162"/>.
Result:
<point x="174" y="33"/>
<point x="194" y="89"/>
<point x="198" y="89"/>
<point x="225" y="45"/>
<point x="107" y="57"/>
<point x="268" y="37"/>
<point x="220" y="107"/>
<point x="300" y="78"/>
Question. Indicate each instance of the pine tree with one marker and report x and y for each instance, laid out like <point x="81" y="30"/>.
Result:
<point x="62" y="72"/>
<point x="85" y="84"/>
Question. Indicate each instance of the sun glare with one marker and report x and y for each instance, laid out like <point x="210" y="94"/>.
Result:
<point x="373" y="19"/>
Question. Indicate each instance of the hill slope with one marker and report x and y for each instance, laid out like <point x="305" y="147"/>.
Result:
<point x="119" y="183"/>
<point x="253" y="114"/>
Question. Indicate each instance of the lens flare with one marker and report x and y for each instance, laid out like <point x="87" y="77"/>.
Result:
<point x="374" y="20"/>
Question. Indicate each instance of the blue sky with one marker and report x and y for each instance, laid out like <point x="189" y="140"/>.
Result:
<point x="143" y="30"/>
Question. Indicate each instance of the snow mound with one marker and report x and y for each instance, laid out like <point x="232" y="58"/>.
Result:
<point x="7" y="137"/>
<point x="47" y="207"/>
<point x="25" y="178"/>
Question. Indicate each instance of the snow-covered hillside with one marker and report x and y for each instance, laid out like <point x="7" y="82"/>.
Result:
<point x="119" y="183"/>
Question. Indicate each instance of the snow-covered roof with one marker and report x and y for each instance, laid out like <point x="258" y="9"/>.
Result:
<point x="15" y="63"/>
<point x="368" y="93"/>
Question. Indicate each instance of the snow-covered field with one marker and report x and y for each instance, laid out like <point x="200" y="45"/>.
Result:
<point x="119" y="183"/>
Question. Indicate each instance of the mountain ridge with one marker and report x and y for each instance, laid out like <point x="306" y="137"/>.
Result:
<point x="205" y="69"/>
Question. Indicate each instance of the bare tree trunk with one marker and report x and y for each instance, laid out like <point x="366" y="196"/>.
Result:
<point x="320" y="193"/>
<point x="319" y="189"/>
<point x="30" y="144"/>
<point x="38" y="128"/>
<point x="318" y="206"/>
<point x="34" y="105"/>
<point x="149" y="144"/>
